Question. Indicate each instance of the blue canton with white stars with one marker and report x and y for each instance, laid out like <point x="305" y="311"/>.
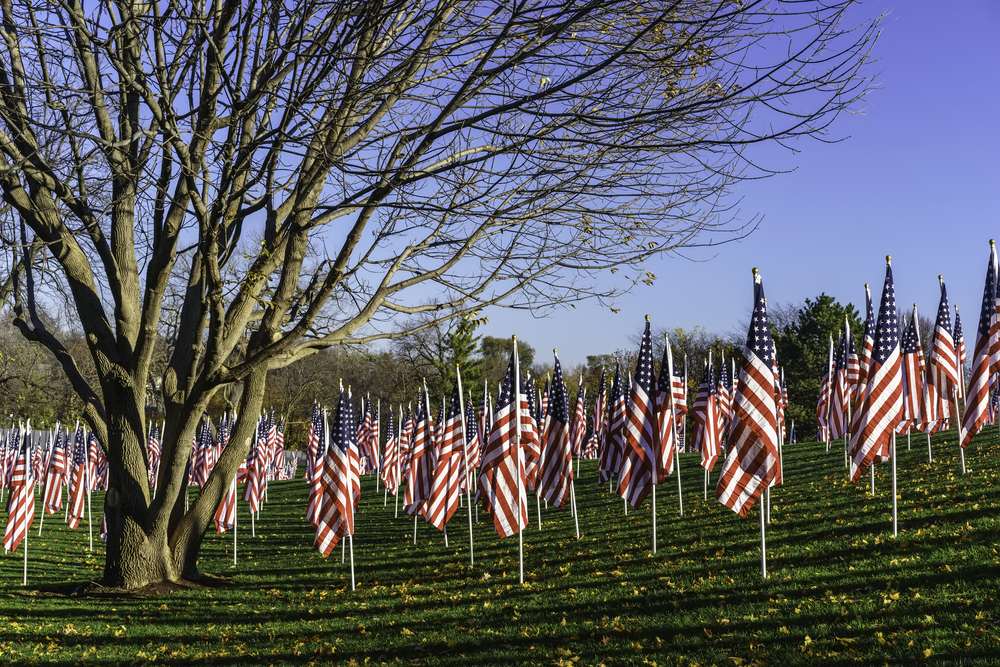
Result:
<point x="887" y="330"/>
<point x="759" y="335"/>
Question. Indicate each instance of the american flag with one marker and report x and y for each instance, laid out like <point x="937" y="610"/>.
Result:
<point x="312" y="442"/>
<point x="390" y="462"/>
<point x="913" y="373"/>
<point x="977" y="403"/>
<point x="473" y="441"/>
<point x="501" y="477"/>
<point x="315" y="458"/>
<point x="752" y="463"/>
<point x="405" y="440"/>
<point x="600" y="417"/>
<point x="825" y="392"/>
<point x="641" y="430"/>
<point x="578" y="429"/>
<point x="530" y="438"/>
<point x="724" y="400"/>
<point x="666" y="419"/>
<point x="254" y="486"/>
<point x="555" y="468"/>
<point x="279" y="446"/>
<point x="21" y="503"/>
<point x="839" y="395"/>
<point x="868" y="343"/>
<point x="960" y="355"/>
<point x="942" y="368"/>
<point x="706" y="436"/>
<point x="485" y="415"/>
<point x="446" y="487"/>
<point x="853" y="363"/>
<point x="680" y="403"/>
<point x="339" y="472"/>
<point x="421" y="461"/>
<point x="611" y="448"/>
<point x="56" y="474"/>
<point x="77" y="480"/>
<point x="225" y="513"/>
<point x="881" y="407"/>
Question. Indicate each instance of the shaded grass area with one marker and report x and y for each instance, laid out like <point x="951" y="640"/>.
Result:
<point x="841" y="589"/>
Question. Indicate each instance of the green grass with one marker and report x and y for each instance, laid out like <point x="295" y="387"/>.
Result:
<point x="841" y="589"/>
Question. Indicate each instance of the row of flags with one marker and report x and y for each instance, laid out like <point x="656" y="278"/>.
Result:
<point x="73" y="460"/>
<point x="932" y="384"/>
<point x="527" y="441"/>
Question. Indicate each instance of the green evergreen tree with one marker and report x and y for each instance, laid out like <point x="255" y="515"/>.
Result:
<point x="802" y="349"/>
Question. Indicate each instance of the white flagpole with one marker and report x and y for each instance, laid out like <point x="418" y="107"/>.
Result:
<point x="517" y="461"/>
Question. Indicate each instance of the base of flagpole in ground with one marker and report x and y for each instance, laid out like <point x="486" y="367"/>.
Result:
<point x="873" y="478"/>
<point x="445" y="531"/>
<point x="414" y="529"/>
<point x="930" y="457"/>
<point x="538" y="511"/>
<point x="907" y="439"/>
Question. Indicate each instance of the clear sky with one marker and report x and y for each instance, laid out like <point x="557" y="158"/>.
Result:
<point x="917" y="178"/>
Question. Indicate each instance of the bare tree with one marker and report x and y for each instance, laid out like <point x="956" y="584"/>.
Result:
<point x="325" y="166"/>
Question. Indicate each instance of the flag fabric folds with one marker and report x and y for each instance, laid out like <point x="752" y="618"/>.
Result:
<point x="977" y="402"/>
<point x="881" y="408"/>
<point x="706" y="437"/>
<point x="641" y="431"/>
<point x="666" y="417"/>
<point x="752" y="463"/>
<point x="21" y="502"/>
<point x="446" y="486"/>
<point x="555" y="469"/>
<point x="501" y="476"/>
<point x="339" y="480"/>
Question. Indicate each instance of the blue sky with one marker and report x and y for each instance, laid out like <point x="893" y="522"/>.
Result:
<point x="918" y="178"/>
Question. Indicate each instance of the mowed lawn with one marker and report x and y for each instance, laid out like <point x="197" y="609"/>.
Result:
<point x="841" y="588"/>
